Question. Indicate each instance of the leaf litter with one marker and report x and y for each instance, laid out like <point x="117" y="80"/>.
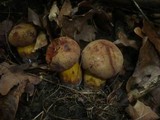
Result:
<point x="32" y="91"/>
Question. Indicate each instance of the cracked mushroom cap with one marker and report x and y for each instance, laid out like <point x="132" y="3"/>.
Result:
<point x="102" y="58"/>
<point x="62" y="53"/>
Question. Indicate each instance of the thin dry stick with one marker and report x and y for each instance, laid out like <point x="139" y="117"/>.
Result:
<point x="41" y="113"/>
<point x="141" y="11"/>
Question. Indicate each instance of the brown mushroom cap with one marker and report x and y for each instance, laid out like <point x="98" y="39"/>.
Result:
<point x="102" y="58"/>
<point x="22" y="35"/>
<point x="62" y="53"/>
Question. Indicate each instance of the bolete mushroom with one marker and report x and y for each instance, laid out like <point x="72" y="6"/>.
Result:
<point x="63" y="55"/>
<point x="27" y="41"/>
<point x="23" y="36"/>
<point x="102" y="60"/>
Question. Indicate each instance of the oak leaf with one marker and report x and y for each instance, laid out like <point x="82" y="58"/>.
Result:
<point x="12" y="75"/>
<point x="141" y="112"/>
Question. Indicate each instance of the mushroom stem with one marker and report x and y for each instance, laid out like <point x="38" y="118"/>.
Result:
<point x="26" y="51"/>
<point x="72" y="76"/>
<point x="93" y="82"/>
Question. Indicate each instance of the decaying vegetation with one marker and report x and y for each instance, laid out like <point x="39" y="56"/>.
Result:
<point x="45" y="71"/>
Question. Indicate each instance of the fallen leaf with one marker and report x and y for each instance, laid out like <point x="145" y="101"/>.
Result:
<point x="65" y="11"/>
<point x="123" y="39"/>
<point x="47" y="26"/>
<point x="132" y="20"/>
<point x="54" y="11"/>
<point x="74" y="25"/>
<point x="57" y="14"/>
<point x="138" y="31"/>
<point x="103" y="21"/>
<point x="12" y="76"/>
<point x="150" y="31"/>
<point x="141" y="112"/>
<point x="33" y="17"/>
<point x="155" y="97"/>
<point x="41" y="41"/>
<point x="5" y="27"/>
<point x="9" y="103"/>
<point x="88" y="34"/>
<point x="152" y="99"/>
<point x="146" y="74"/>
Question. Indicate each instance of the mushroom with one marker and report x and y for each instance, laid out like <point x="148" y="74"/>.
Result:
<point x="22" y="35"/>
<point x="101" y="59"/>
<point x="25" y="38"/>
<point x="62" y="56"/>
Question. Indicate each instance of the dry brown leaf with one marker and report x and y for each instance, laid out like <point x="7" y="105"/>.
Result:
<point x="54" y="11"/>
<point x="12" y="76"/>
<point x="152" y="99"/>
<point x="123" y="39"/>
<point x="71" y="27"/>
<point x="141" y="112"/>
<point x="131" y="20"/>
<point x="57" y="15"/>
<point x="103" y="21"/>
<point x="138" y="31"/>
<point x="5" y="27"/>
<point x="41" y="41"/>
<point x="88" y="34"/>
<point x="150" y="31"/>
<point x="33" y="17"/>
<point x="65" y="11"/>
<point x="9" y="103"/>
<point x="146" y="74"/>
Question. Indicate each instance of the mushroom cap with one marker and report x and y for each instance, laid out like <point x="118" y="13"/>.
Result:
<point x="62" y="53"/>
<point x="102" y="58"/>
<point x="22" y="35"/>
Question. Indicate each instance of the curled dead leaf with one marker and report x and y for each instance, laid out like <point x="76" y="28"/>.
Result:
<point x="33" y="17"/>
<point x="65" y="11"/>
<point x="123" y="39"/>
<point x="54" y="11"/>
<point x="141" y="112"/>
<point x="138" y="31"/>
<point x="150" y="31"/>
<point x="9" y="103"/>
<point x="11" y="78"/>
<point x="41" y="41"/>
<point x="57" y="14"/>
<point x="146" y="74"/>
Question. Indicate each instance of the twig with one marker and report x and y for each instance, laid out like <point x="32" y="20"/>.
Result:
<point x="141" y="11"/>
<point x="49" y="108"/>
<point x="41" y="113"/>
